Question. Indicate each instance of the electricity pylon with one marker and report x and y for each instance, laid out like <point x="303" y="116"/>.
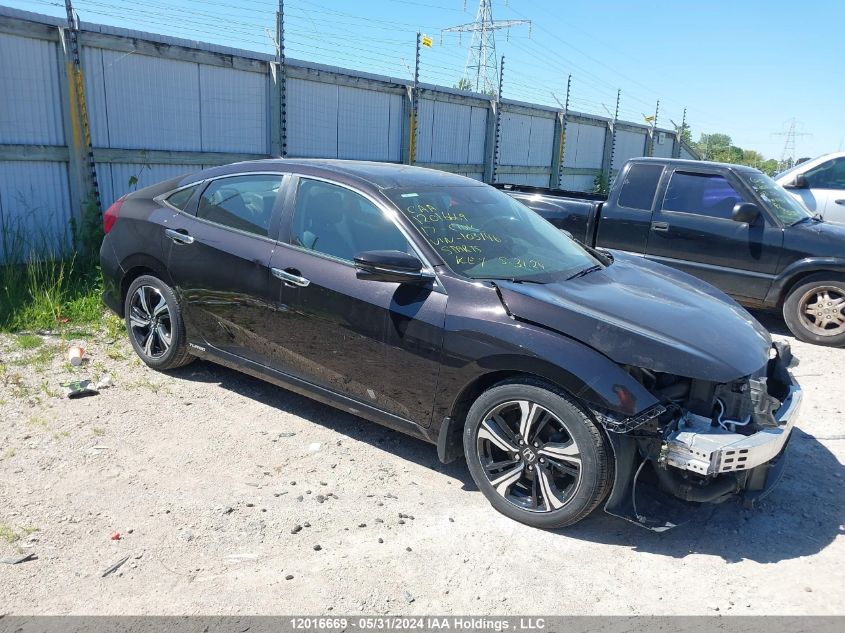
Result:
<point x="787" y="157"/>
<point x="481" y="70"/>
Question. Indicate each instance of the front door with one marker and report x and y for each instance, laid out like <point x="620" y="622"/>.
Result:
<point x="375" y="342"/>
<point x="219" y="262"/>
<point x="826" y="184"/>
<point x="693" y="230"/>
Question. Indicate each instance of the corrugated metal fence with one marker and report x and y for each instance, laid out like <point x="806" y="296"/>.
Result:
<point x="161" y="106"/>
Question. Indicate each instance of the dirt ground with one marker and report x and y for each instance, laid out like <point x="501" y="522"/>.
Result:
<point x="232" y="496"/>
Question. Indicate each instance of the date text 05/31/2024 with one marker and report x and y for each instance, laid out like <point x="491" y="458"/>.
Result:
<point x="419" y="623"/>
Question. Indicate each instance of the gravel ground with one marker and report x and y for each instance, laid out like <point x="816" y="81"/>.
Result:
<point x="233" y="496"/>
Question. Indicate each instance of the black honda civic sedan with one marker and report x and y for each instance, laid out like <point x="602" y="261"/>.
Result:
<point x="438" y="306"/>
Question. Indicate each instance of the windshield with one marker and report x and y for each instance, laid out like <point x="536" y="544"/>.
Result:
<point x="785" y="207"/>
<point x="482" y="233"/>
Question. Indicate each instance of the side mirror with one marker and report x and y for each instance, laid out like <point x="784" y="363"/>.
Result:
<point x="745" y="212"/>
<point x="391" y="266"/>
<point x="799" y="182"/>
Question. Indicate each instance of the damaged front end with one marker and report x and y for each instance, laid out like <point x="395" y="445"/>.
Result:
<point x="705" y="442"/>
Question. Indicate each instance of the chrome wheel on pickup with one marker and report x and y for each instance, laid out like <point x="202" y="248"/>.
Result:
<point x="815" y="310"/>
<point x="821" y="310"/>
<point x="536" y="455"/>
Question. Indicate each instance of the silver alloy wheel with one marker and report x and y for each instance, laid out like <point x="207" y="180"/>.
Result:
<point x="529" y="456"/>
<point x="821" y="310"/>
<point x="149" y="321"/>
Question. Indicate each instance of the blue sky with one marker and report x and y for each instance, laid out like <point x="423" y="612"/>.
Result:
<point x="741" y="67"/>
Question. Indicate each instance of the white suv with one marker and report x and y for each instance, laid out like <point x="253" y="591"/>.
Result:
<point x="819" y="184"/>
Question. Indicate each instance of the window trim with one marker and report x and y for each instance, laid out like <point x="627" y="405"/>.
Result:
<point x="390" y="213"/>
<point x="204" y="184"/>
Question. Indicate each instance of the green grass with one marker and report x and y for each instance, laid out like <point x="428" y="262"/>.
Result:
<point x="37" y="421"/>
<point x="115" y="327"/>
<point x="41" y="358"/>
<point x="49" y="391"/>
<point x="8" y="534"/>
<point x="49" y="294"/>
<point x="49" y="279"/>
<point x="29" y="341"/>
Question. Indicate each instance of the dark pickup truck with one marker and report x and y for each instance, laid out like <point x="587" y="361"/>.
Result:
<point x="730" y="225"/>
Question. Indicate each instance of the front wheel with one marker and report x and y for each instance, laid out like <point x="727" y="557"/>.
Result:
<point x="814" y="310"/>
<point x="154" y="322"/>
<point x="536" y="455"/>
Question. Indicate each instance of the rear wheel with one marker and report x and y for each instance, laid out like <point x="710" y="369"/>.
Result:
<point x="154" y="323"/>
<point x="536" y="455"/>
<point x="814" y="310"/>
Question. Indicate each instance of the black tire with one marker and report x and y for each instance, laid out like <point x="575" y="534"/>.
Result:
<point x="143" y="302"/>
<point x="562" y="425"/>
<point x="812" y="308"/>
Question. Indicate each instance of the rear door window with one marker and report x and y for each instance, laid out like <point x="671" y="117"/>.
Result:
<point x="639" y="186"/>
<point x="703" y="194"/>
<point x="241" y="202"/>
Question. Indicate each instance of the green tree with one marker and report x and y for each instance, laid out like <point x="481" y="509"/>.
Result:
<point x="770" y="166"/>
<point x="463" y="84"/>
<point x="719" y="148"/>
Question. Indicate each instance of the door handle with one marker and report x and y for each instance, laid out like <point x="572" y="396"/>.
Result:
<point x="290" y="278"/>
<point x="178" y="237"/>
<point x="660" y="226"/>
<point x="840" y="201"/>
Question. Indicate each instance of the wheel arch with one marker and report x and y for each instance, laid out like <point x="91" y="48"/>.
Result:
<point x="449" y="435"/>
<point x="136" y="265"/>
<point x="798" y="271"/>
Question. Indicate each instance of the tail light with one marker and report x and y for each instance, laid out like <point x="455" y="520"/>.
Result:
<point x="110" y="216"/>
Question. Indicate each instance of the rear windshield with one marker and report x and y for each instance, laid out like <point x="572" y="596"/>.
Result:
<point x="482" y="233"/>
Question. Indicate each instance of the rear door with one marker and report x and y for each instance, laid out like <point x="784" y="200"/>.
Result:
<point x="626" y="217"/>
<point x="692" y="229"/>
<point x="375" y="342"/>
<point x="220" y="250"/>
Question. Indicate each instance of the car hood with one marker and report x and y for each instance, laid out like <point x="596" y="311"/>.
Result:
<point x="637" y="312"/>
<point x="816" y="239"/>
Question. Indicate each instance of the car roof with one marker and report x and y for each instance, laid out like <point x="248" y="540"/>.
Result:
<point x="694" y="163"/>
<point x="379" y="175"/>
<point x="827" y="156"/>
